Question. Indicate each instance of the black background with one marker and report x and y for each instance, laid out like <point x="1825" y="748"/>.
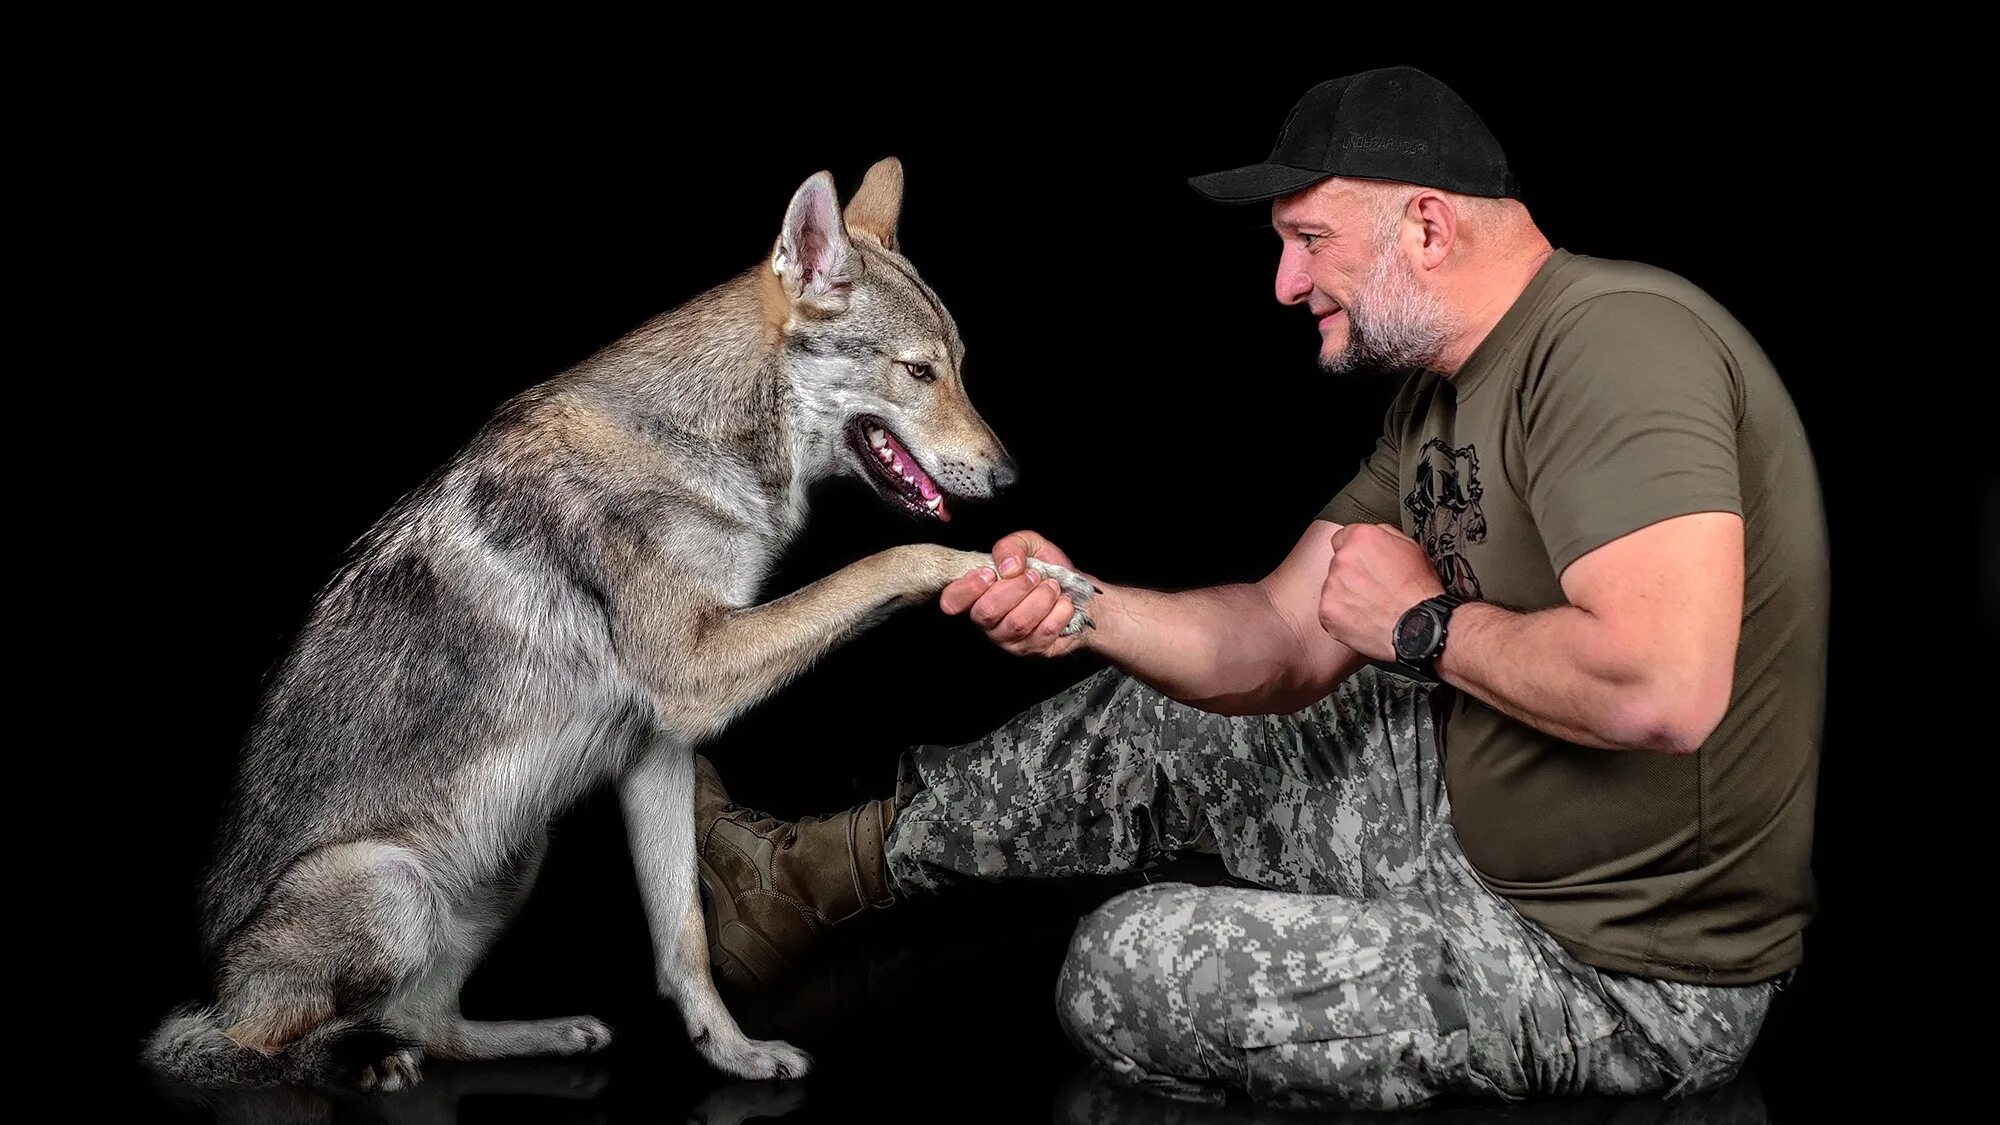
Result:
<point x="320" y="278"/>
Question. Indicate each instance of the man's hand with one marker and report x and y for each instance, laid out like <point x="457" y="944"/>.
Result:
<point x="1021" y="611"/>
<point x="1376" y="575"/>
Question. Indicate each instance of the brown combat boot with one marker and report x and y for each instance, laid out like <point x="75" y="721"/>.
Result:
<point x="773" y="888"/>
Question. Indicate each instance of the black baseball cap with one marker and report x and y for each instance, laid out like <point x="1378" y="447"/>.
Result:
<point x="1392" y="123"/>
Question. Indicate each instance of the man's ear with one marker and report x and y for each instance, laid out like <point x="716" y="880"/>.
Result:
<point x="1440" y="225"/>
<point x="875" y="208"/>
<point x="812" y="257"/>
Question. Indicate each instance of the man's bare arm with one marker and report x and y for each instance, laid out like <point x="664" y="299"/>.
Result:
<point x="1247" y="649"/>
<point x="1244" y="648"/>
<point x="1643" y="657"/>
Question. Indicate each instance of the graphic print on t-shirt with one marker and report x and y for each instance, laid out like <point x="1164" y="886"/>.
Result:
<point x="1445" y="505"/>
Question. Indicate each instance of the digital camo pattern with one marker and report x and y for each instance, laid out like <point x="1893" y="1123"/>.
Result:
<point x="1092" y="1096"/>
<point x="1377" y="971"/>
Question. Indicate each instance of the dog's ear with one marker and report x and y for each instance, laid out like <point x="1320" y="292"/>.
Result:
<point x="875" y="208"/>
<point x="813" y="257"/>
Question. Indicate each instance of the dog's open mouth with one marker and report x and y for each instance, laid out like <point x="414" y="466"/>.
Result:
<point x="898" y="471"/>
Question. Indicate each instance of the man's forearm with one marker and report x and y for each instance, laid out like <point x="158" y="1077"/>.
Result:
<point x="1558" y="671"/>
<point x="1226" y="649"/>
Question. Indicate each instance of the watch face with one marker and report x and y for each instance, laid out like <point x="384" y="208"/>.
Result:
<point x="1414" y="634"/>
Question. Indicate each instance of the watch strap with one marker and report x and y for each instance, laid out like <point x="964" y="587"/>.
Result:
<point x="1443" y="604"/>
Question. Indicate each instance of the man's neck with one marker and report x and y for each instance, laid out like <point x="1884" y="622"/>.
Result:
<point x="1490" y="299"/>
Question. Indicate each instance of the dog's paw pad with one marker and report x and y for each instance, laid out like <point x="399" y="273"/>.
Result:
<point x="1076" y="586"/>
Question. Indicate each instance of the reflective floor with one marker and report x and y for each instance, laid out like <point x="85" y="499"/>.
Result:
<point x="945" y="1013"/>
<point x="573" y="1093"/>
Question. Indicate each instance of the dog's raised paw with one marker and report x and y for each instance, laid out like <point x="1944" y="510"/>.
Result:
<point x="1079" y="589"/>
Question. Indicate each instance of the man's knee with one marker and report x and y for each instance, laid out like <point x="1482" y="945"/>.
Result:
<point x="1121" y="994"/>
<point x="1294" y="997"/>
<point x="1108" y="990"/>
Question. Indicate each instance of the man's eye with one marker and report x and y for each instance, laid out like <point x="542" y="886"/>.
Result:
<point x="921" y="371"/>
<point x="1307" y="239"/>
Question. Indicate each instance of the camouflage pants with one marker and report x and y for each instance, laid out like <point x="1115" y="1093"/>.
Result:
<point x="1377" y="971"/>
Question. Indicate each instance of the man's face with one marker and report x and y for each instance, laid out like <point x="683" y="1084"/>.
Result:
<point x="1353" y="274"/>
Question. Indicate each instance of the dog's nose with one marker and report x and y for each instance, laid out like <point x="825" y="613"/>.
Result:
<point x="1004" y="474"/>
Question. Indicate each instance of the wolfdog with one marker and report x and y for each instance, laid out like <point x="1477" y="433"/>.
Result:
<point x="569" y="601"/>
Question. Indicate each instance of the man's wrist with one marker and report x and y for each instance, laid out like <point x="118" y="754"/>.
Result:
<point x="1466" y="621"/>
<point x="1107" y="609"/>
<point x="1422" y="633"/>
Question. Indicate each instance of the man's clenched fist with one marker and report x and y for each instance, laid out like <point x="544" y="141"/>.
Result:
<point x="1377" y="573"/>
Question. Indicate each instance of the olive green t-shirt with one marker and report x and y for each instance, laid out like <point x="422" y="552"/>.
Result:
<point x="1610" y="396"/>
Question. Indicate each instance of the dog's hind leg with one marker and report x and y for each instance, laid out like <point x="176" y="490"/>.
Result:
<point x="346" y="933"/>
<point x="658" y="798"/>
<point x="470" y="930"/>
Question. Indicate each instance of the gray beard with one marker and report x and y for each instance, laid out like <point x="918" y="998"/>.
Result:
<point x="1394" y="322"/>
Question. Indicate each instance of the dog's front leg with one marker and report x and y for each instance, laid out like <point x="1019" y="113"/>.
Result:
<point x="658" y="798"/>
<point x="744" y="655"/>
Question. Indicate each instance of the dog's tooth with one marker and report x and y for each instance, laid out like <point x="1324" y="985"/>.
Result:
<point x="877" y="438"/>
<point x="886" y="453"/>
<point x="933" y="502"/>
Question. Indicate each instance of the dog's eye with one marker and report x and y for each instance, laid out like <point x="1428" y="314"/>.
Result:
<point x="921" y="371"/>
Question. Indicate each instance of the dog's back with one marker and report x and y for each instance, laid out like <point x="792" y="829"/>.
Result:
<point x="463" y="621"/>
<point x="452" y="688"/>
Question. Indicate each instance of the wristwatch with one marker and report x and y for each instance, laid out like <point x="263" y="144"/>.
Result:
<point x="1420" y="633"/>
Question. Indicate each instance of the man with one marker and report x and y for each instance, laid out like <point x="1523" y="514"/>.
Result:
<point x="1563" y="848"/>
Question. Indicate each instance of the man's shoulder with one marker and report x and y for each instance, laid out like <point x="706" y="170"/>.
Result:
<point x="1623" y="287"/>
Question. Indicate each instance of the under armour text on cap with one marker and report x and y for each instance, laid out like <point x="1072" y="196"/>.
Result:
<point x="1392" y="123"/>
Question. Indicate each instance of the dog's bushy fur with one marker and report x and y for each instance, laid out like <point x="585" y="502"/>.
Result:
<point x="568" y="602"/>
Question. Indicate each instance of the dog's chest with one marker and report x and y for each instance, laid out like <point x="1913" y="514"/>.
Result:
<point x="749" y="558"/>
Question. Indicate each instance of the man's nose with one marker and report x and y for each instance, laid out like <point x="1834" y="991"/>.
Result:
<point x="1293" y="283"/>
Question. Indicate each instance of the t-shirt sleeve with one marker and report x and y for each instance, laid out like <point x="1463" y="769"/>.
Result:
<point x="1370" y="497"/>
<point x="1630" y="419"/>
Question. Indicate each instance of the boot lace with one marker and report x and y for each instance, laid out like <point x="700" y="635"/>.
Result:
<point x="788" y="830"/>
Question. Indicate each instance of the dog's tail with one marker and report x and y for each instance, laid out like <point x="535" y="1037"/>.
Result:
<point x="189" y="1048"/>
